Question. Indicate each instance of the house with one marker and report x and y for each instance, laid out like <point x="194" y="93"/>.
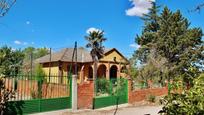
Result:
<point x="111" y="66"/>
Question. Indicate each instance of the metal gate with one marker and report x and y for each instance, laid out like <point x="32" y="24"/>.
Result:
<point x="110" y="92"/>
<point x="38" y="93"/>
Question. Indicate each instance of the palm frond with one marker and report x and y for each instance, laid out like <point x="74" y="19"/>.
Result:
<point x="95" y="40"/>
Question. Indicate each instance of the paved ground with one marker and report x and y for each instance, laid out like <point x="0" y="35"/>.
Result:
<point x="124" y="110"/>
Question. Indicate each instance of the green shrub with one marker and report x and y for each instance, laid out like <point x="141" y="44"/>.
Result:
<point x="40" y="75"/>
<point x="103" y="86"/>
<point x="119" y="87"/>
<point x="189" y="102"/>
<point x="5" y="95"/>
<point x="151" y="98"/>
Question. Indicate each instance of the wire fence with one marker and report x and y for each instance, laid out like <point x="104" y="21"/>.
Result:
<point x="28" y="87"/>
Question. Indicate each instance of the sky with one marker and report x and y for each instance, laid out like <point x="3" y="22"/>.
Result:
<point x="59" y="23"/>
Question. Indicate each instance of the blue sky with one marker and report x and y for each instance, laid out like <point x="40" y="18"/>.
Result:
<point x="58" y="23"/>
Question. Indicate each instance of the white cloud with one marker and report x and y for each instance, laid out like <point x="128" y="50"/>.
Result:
<point x="134" y="46"/>
<point x="20" y="42"/>
<point x="92" y="29"/>
<point x="139" y="8"/>
<point x="32" y="42"/>
<point x="25" y="43"/>
<point x="17" y="42"/>
<point x="27" y="22"/>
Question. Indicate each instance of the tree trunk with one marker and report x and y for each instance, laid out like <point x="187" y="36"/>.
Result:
<point x="95" y="75"/>
<point x="95" y="70"/>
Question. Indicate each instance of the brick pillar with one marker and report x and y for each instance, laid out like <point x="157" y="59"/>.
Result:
<point x="129" y="90"/>
<point x="85" y="95"/>
<point x="118" y="72"/>
<point x="74" y="93"/>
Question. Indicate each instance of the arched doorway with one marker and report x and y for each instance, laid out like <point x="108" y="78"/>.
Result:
<point x="90" y="73"/>
<point x="101" y="72"/>
<point x="113" y="72"/>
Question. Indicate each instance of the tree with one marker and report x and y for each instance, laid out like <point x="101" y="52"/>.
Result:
<point x="40" y="52"/>
<point x="10" y="61"/>
<point x="153" y="70"/>
<point x="37" y="52"/>
<point x="5" y="95"/>
<point x="95" y="40"/>
<point x="190" y="102"/>
<point x="172" y="39"/>
<point x="32" y="54"/>
<point x="148" y="34"/>
<point x="7" y="58"/>
<point x="5" y="6"/>
<point x="198" y="8"/>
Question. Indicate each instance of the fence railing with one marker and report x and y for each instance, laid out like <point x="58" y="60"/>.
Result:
<point x="146" y="85"/>
<point x="110" y="92"/>
<point x="37" y="87"/>
<point x="110" y="87"/>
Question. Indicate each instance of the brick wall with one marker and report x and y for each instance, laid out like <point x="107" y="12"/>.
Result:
<point x="85" y="95"/>
<point x="139" y="95"/>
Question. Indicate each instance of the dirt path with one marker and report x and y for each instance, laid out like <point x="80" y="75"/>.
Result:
<point x="126" y="110"/>
<point x="142" y="110"/>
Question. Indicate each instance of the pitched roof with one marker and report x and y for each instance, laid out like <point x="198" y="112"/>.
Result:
<point x="65" y="55"/>
<point x="83" y="55"/>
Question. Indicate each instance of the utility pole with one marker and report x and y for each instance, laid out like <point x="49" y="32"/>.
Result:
<point x="74" y="81"/>
<point x="31" y="63"/>
<point x="75" y="58"/>
<point x="50" y="63"/>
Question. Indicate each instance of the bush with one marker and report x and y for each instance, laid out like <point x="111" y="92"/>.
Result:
<point x="151" y="98"/>
<point x="40" y="75"/>
<point x="103" y="86"/>
<point x="119" y="87"/>
<point x="5" y="95"/>
<point x="189" y="102"/>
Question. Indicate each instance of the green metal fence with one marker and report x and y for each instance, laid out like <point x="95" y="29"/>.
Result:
<point x="110" y="92"/>
<point x="38" y="93"/>
<point x="144" y="85"/>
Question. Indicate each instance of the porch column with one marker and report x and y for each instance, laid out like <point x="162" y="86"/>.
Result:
<point x="108" y="71"/>
<point x="118" y="71"/>
<point x="82" y="74"/>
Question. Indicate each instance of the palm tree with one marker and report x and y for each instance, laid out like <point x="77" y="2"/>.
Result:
<point x="95" y="40"/>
